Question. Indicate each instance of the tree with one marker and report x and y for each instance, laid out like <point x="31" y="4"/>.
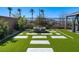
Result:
<point x="32" y="12"/>
<point x="40" y="21"/>
<point x="4" y="28"/>
<point x="1" y="32"/>
<point x="1" y="29"/>
<point x="10" y="10"/>
<point x="22" y="23"/>
<point x="19" y="10"/>
<point x="42" y="13"/>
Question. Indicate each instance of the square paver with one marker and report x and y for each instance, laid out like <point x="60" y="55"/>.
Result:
<point x="31" y="33"/>
<point x="21" y="37"/>
<point x="57" y="33"/>
<point x="39" y="36"/>
<point x="46" y="33"/>
<point x="39" y="42"/>
<point x="39" y="50"/>
<point x="58" y="37"/>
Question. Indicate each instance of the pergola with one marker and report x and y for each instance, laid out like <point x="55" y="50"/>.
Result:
<point x="75" y="19"/>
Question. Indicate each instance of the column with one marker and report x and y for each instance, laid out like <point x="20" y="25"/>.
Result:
<point x="78" y="23"/>
<point x="66" y="22"/>
<point x="73" y="25"/>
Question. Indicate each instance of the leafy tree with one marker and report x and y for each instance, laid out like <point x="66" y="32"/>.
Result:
<point x="40" y="21"/>
<point x="4" y="28"/>
<point x="22" y="23"/>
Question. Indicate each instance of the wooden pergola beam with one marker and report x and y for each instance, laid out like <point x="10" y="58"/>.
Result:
<point x="73" y="28"/>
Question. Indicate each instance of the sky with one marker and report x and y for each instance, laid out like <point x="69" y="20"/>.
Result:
<point x="51" y="12"/>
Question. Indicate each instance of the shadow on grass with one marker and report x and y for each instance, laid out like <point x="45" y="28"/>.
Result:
<point x="9" y="39"/>
<point x="13" y="41"/>
<point x="6" y="42"/>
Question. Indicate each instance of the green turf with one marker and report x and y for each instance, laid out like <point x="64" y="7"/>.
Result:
<point x="66" y="45"/>
<point x="15" y="45"/>
<point x="58" y="45"/>
<point x="39" y="46"/>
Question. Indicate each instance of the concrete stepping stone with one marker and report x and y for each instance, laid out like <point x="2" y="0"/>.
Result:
<point x="21" y="37"/>
<point x="39" y="50"/>
<point x="39" y="36"/>
<point x="59" y="37"/>
<point x="46" y="33"/>
<point x="31" y="33"/>
<point x="39" y="42"/>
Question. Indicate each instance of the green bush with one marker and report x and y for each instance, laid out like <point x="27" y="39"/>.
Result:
<point x="21" y="24"/>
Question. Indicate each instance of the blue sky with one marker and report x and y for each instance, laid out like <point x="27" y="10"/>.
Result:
<point x="51" y="12"/>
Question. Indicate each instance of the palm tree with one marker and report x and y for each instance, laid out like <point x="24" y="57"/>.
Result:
<point x="19" y="10"/>
<point x="42" y="12"/>
<point x="10" y="10"/>
<point x="32" y="12"/>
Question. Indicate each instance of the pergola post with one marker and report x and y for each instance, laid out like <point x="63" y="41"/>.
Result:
<point x="65" y="27"/>
<point x="78" y="23"/>
<point x="73" y="26"/>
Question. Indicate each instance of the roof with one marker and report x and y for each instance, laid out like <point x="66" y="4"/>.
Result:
<point x="74" y="14"/>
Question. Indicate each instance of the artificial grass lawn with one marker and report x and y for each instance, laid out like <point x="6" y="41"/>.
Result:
<point x="66" y="45"/>
<point x="15" y="45"/>
<point x="58" y="45"/>
<point x="39" y="46"/>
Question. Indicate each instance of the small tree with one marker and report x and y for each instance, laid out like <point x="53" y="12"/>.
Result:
<point x="22" y="23"/>
<point x="1" y="32"/>
<point x="40" y="21"/>
<point x="4" y="28"/>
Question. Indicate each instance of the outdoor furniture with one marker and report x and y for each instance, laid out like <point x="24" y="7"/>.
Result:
<point x="40" y="29"/>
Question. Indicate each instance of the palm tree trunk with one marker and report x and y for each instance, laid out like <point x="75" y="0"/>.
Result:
<point x="66" y="22"/>
<point x="10" y="14"/>
<point x="20" y="14"/>
<point x="32" y="16"/>
<point x="43" y="14"/>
